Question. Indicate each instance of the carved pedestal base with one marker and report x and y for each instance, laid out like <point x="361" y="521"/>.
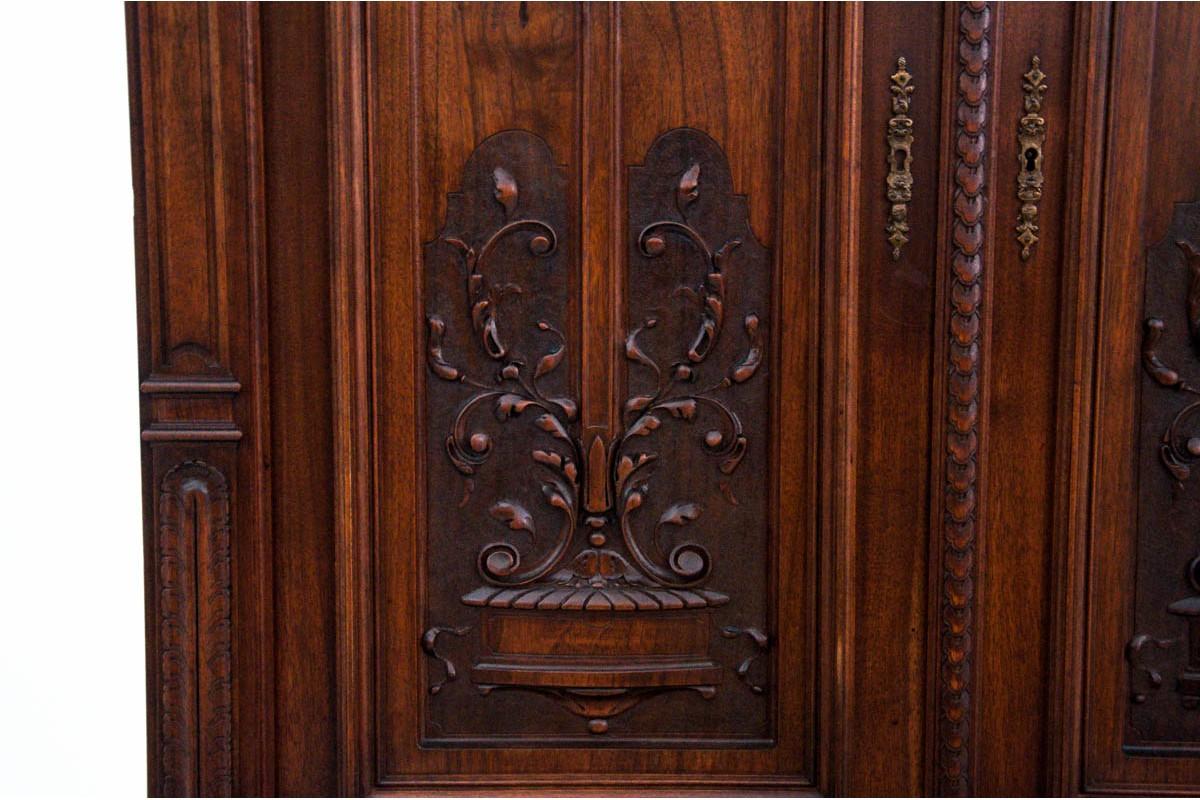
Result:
<point x="596" y="665"/>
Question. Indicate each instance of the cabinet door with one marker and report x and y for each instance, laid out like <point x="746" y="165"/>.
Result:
<point x="594" y="551"/>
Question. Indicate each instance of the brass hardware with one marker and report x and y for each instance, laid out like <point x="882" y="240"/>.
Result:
<point x="900" y="139"/>
<point x="1031" y="136"/>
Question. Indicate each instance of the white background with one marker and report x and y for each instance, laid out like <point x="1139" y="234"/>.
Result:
<point x="72" y="668"/>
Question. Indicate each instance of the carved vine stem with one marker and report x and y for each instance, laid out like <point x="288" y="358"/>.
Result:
<point x="512" y="394"/>
<point x="1176" y="453"/>
<point x="687" y="563"/>
<point x="429" y="645"/>
<point x="762" y="643"/>
<point x="960" y="519"/>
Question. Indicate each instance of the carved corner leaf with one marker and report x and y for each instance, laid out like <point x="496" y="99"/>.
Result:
<point x="689" y="188"/>
<point x="506" y="190"/>
<point x="547" y="363"/>
<point x="1154" y="365"/>
<point x="680" y="514"/>
<point x="437" y="360"/>
<point x="745" y="370"/>
<point x="514" y="514"/>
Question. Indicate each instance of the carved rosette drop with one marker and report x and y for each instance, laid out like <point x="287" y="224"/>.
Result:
<point x="900" y="141"/>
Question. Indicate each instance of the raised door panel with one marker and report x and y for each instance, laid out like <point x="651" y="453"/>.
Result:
<point x="1140" y="724"/>
<point x="594" y="551"/>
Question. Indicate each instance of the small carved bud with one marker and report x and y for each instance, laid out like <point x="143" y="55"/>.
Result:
<point x="539" y="245"/>
<point x="655" y="246"/>
<point x="683" y="372"/>
<point x="500" y="562"/>
<point x="1193" y="446"/>
<point x="713" y="439"/>
<point x="509" y="372"/>
<point x="480" y="442"/>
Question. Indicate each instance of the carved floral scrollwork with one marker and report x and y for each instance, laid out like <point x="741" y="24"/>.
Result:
<point x="629" y="535"/>
<point x="648" y="566"/>
<point x="1166" y="512"/>
<point x="515" y="391"/>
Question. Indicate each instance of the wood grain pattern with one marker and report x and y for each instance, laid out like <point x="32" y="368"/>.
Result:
<point x="949" y="550"/>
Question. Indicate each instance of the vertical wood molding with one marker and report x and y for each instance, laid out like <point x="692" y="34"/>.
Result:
<point x="1073" y="448"/>
<point x="602" y="212"/>
<point x="350" y="260"/>
<point x="963" y="430"/>
<point x="195" y="619"/>
<point x="257" y="769"/>
<point x="841" y="216"/>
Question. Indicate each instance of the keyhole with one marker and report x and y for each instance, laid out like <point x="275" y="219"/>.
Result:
<point x="898" y="158"/>
<point x="1031" y="155"/>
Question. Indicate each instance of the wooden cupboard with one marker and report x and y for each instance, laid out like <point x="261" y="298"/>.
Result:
<point x="722" y="397"/>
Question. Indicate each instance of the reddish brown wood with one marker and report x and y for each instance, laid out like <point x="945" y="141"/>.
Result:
<point x="900" y="525"/>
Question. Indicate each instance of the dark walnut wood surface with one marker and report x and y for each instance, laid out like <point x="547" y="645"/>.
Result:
<point x="670" y="397"/>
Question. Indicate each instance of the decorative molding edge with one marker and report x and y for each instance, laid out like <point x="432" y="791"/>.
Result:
<point x="195" y="633"/>
<point x="960" y="513"/>
<point x="351" y="261"/>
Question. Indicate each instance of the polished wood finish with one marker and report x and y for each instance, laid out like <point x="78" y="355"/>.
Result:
<point x="538" y="397"/>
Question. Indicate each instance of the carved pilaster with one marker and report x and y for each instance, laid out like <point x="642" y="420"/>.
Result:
<point x="197" y="178"/>
<point x="194" y="592"/>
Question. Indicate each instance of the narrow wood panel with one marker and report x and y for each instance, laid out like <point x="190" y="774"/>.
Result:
<point x="895" y="301"/>
<point x="297" y="246"/>
<point x="1013" y="645"/>
<point x="1073" y="439"/>
<point x="185" y="163"/>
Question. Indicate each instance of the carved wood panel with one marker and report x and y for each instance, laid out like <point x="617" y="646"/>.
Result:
<point x="193" y="589"/>
<point x="611" y="552"/>
<point x="1163" y="656"/>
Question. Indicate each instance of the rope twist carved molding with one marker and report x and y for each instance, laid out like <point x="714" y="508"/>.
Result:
<point x="962" y="430"/>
